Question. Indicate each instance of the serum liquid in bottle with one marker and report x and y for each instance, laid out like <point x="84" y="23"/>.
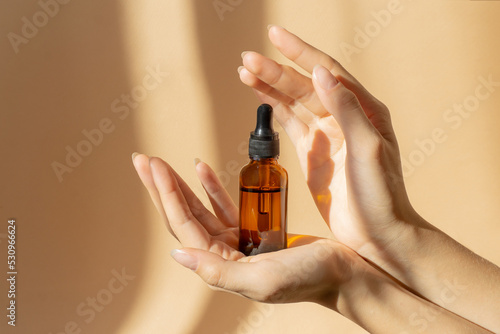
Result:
<point x="263" y="191"/>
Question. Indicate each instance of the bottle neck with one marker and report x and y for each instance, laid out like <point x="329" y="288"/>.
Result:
<point x="266" y="161"/>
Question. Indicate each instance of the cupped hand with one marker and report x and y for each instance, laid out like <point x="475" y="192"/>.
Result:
<point x="344" y="140"/>
<point x="311" y="269"/>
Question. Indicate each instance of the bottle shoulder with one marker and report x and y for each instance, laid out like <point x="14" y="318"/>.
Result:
<point x="255" y="167"/>
<point x="260" y="174"/>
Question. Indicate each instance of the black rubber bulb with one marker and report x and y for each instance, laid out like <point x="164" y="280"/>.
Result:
<point x="264" y="126"/>
<point x="264" y="142"/>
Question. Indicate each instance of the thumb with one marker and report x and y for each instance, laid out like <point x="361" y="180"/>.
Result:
<point x="215" y="270"/>
<point x="359" y="132"/>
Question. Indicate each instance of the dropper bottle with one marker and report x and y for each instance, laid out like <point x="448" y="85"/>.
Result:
<point x="263" y="191"/>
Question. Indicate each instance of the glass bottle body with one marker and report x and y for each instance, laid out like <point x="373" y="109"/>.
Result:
<point x="263" y="207"/>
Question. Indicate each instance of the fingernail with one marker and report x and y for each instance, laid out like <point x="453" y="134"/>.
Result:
<point x="184" y="259"/>
<point x="244" y="53"/>
<point x="134" y="155"/>
<point x="274" y="25"/>
<point x="196" y="161"/>
<point x="240" y="68"/>
<point x="324" y="77"/>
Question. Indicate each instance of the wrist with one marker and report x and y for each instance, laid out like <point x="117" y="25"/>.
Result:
<point x="435" y="266"/>
<point x="357" y="289"/>
<point x="346" y="272"/>
<point x="366" y="299"/>
<point x="380" y="305"/>
<point x="341" y="266"/>
<point x="402" y="245"/>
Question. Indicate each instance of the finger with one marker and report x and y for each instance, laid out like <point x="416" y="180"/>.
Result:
<point x="359" y="133"/>
<point x="188" y="230"/>
<point x="273" y="97"/>
<point x="233" y="276"/>
<point x="307" y="56"/>
<point x="251" y="80"/>
<point x="304" y="54"/>
<point x="286" y="80"/>
<point x="298" y="51"/>
<point x="222" y="203"/>
<point x="141" y="164"/>
<point x="205" y="217"/>
<point x="213" y="225"/>
<point x="293" y="125"/>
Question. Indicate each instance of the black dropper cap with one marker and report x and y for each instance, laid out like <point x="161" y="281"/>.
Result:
<point x="264" y="142"/>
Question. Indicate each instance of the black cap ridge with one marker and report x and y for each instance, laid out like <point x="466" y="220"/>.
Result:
<point x="264" y="142"/>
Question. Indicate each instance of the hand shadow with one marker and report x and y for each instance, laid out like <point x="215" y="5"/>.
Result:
<point x="320" y="167"/>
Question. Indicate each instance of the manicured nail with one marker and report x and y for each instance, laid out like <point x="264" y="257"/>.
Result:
<point x="134" y="155"/>
<point x="184" y="259"/>
<point x="324" y="77"/>
<point x="240" y="68"/>
<point x="196" y="161"/>
<point x="244" y="53"/>
<point x="274" y="25"/>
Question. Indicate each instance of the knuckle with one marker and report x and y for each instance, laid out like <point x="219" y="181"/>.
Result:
<point x="383" y="107"/>
<point x="384" y="110"/>
<point x="330" y="63"/>
<point x="276" y="75"/>
<point x="198" y="209"/>
<point x="347" y="100"/>
<point x="278" y="294"/>
<point x="214" y="278"/>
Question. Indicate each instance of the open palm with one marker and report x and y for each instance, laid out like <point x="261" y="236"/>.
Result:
<point x="310" y="268"/>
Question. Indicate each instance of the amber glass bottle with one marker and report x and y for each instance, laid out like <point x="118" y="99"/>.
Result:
<point x="263" y="191"/>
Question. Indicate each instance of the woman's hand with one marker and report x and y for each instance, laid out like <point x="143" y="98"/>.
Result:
<point x="350" y="157"/>
<point x="311" y="269"/>
<point x="344" y="140"/>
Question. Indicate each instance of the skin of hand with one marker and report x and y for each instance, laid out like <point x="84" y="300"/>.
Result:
<point x="211" y="243"/>
<point x="348" y="152"/>
<point x="311" y="269"/>
<point x="344" y="141"/>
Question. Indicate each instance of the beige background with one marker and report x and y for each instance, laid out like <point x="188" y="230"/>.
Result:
<point x="73" y="234"/>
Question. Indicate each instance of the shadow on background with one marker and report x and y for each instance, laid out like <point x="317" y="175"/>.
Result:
<point x="71" y="234"/>
<point x="233" y="110"/>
